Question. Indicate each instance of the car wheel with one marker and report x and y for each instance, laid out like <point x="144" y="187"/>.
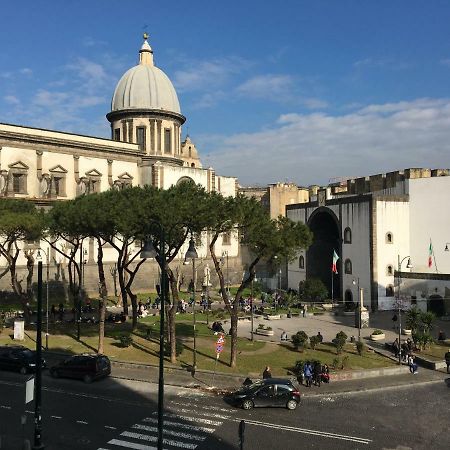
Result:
<point x="247" y="404"/>
<point x="291" y="404"/>
<point x="54" y="373"/>
<point x="23" y="370"/>
<point x="87" y="379"/>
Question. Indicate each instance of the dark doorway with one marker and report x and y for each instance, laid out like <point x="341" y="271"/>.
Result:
<point x="323" y="223"/>
<point x="436" y="305"/>
<point x="348" y="299"/>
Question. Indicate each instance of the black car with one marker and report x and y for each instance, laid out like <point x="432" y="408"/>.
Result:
<point x="84" y="367"/>
<point x="18" y="358"/>
<point x="268" y="392"/>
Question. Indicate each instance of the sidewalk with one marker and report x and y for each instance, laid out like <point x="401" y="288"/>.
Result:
<point x="206" y="380"/>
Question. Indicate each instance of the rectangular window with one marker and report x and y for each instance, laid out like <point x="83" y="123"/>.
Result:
<point x="117" y="134"/>
<point x="226" y="238"/>
<point x="167" y="140"/>
<point x="19" y="183"/>
<point x="57" y="184"/>
<point x="140" y="136"/>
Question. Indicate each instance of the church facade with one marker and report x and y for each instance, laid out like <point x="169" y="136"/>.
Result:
<point x="146" y="148"/>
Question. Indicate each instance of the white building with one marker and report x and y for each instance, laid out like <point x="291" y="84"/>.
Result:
<point x="146" y="148"/>
<point x="374" y="223"/>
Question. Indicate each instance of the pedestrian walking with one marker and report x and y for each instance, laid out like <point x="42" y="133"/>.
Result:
<point x="267" y="374"/>
<point x="305" y="309"/>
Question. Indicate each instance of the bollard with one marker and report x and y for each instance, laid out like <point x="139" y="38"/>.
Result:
<point x="241" y="434"/>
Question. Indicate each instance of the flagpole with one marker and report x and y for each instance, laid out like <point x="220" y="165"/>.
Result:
<point x="332" y="287"/>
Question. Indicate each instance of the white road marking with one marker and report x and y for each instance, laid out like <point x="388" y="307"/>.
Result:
<point x="29" y="412"/>
<point x="178" y="434"/>
<point x="131" y="445"/>
<point x="5" y="407"/>
<point x="306" y="431"/>
<point x="185" y="426"/>
<point x="146" y="437"/>
<point x="110" y="428"/>
<point x="212" y="408"/>
<point x="215" y="423"/>
<point x="56" y="417"/>
<point x="82" y="422"/>
<point x="199" y="413"/>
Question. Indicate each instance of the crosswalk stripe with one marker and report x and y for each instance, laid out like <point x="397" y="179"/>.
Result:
<point x="212" y="408"/>
<point x="185" y="426"/>
<point x="132" y="445"/>
<point x="146" y="437"/>
<point x="199" y="413"/>
<point x="179" y="434"/>
<point x="192" y="419"/>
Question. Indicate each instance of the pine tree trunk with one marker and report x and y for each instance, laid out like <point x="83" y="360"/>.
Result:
<point x="103" y="292"/>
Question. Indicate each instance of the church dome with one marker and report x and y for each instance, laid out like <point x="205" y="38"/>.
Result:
<point x="145" y="86"/>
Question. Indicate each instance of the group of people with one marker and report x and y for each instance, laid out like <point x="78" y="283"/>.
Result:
<point x="405" y="349"/>
<point x="315" y="373"/>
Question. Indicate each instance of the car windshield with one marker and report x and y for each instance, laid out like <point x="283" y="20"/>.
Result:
<point x="27" y="353"/>
<point x="253" y="387"/>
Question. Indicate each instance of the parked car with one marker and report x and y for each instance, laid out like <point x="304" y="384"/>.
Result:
<point x="84" y="367"/>
<point x="268" y="392"/>
<point x="18" y="358"/>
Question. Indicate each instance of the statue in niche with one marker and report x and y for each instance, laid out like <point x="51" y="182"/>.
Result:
<point x="3" y="181"/>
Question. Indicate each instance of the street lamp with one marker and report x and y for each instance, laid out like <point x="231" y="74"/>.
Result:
<point x="408" y="266"/>
<point x="192" y="254"/>
<point x="360" y="302"/>
<point x="39" y="257"/>
<point x="149" y="251"/>
<point x="38" y="378"/>
<point x="446" y="246"/>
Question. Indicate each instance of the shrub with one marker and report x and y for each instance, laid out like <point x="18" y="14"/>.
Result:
<point x="345" y="362"/>
<point x="300" y="340"/>
<point x="125" y="340"/>
<point x="336" y="364"/>
<point x="360" y="347"/>
<point x="314" y="341"/>
<point x="339" y="342"/>
<point x="268" y="328"/>
<point x="261" y="326"/>
<point x="422" y="340"/>
<point x="377" y="332"/>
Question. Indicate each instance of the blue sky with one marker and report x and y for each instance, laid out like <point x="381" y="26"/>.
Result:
<point x="301" y="91"/>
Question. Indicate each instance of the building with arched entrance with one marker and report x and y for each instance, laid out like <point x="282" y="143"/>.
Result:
<point x="384" y="229"/>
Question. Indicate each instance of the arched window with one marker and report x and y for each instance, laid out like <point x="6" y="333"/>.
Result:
<point x="348" y="266"/>
<point x="301" y="262"/>
<point x="347" y="236"/>
<point x="389" y="270"/>
<point x="389" y="290"/>
<point x="389" y="238"/>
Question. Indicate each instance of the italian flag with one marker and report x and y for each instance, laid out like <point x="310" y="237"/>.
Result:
<point x="430" y="255"/>
<point x="335" y="260"/>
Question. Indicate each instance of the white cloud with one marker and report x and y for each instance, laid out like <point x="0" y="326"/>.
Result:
<point x="202" y="75"/>
<point x="268" y="86"/>
<point x="11" y="99"/>
<point x="26" y="71"/>
<point x="315" y="103"/>
<point x="312" y="148"/>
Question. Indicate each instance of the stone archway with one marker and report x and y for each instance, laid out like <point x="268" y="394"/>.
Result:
<point x="327" y="239"/>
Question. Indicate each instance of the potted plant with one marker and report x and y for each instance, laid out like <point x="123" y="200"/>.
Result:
<point x="377" y="335"/>
<point x="264" y="330"/>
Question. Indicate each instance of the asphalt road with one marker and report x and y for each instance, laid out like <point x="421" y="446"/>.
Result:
<point x="118" y="414"/>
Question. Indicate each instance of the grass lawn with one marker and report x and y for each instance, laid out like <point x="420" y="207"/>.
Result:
<point x="435" y="351"/>
<point x="252" y="356"/>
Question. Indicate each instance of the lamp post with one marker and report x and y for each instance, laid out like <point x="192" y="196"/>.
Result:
<point x="192" y="254"/>
<point x="360" y="306"/>
<point x="48" y="269"/>
<point x="446" y="246"/>
<point x="149" y="251"/>
<point x="38" y="378"/>
<point x="408" y="266"/>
